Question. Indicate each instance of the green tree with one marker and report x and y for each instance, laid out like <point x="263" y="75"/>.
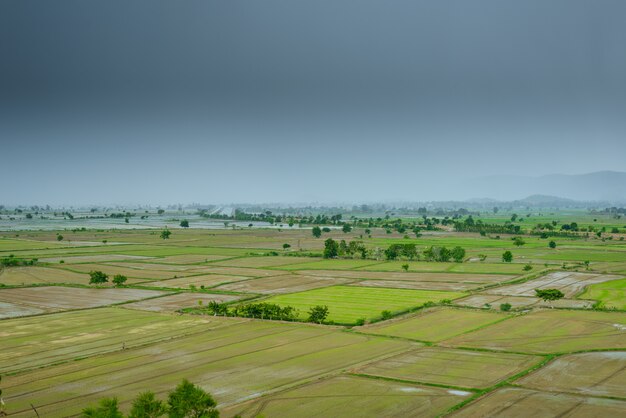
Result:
<point x="59" y="237"/>
<point x="107" y="408"/>
<point x="316" y="231"/>
<point x="285" y="246"/>
<point x="458" y="254"/>
<point x="184" y="223"/>
<point x="318" y="313"/>
<point x="119" y="279"/>
<point x="527" y="267"/>
<point x="331" y="248"/>
<point x="507" y="256"/>
<point x="549" y="295"/>
<point x="191" y="401"/>
<point x="552" y="244"/>
<point x="505" y="307"/>
<point x="346" y="228"/>
<point x="385" y="315"/>
<point x="97" y="277"/>
<point x="146" y="405"/>
<point x="518" y="241"/>
<point x="405" y="267"/>
<point x="165" y="234"/>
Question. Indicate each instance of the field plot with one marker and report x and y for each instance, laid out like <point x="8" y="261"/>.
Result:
<point x="28" y="343"/>
<point x="179" y="301"/>
<point x="93" y="258"/>
<point x="347" y="304"/>
<point x="423" y="266"/>
<point x="611" y="294"/>
<point x="288" y="283"/>
<point x="206" y="280"/>
<point x="17" y="276"/>
<point x="155" y="266"/>
<point x="551" y="331"/>
<point x="470" y="369"/>
<point x="190" y="258"/>
<point x="571" y="284"/>
<point x="235" y="363"/>
<point x="320" y="264"/>
<point x="479" y="300"/>
<point x="262" y="261"/>
<point x="600" y="374"/>
<point x="435" y="324"/>
<point x="521" y="403"/>
<point x="138" y="273"/>
<point x="240" y="271"/>
<point x="35" y="300"/>
<point x="352" y="396"/>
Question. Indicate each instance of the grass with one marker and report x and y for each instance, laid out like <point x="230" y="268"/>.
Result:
<point x="347" y="304"/>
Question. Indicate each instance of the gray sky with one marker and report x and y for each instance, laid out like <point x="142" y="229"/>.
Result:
<point x="328" y="100"/>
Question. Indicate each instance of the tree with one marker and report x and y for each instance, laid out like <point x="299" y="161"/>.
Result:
<point x="518" y="241"/>
<point x="119" y="280"/>
<point x="552" y="244"/>
<point x="505" y="307"/>
<point x="107" y="408"/>
<point x="549" y="294"/>
<point x="331" y="248"/>
<point x="184" y="223"/>
<point x="405" y="267"/>
<point x="285" y="246"/>
<point x="59" y="237"/>
<point x="146" y="405"/>
<point x="316" y="231"/>
<point x="385" y="315"/>
<point x="346" y="228"/>
<point x="458" y="254"/>
<point x="97" y="277"/>
<point x="527" y="267"/>
<point x="165" y="234"/>
<point x="507" y="256"/>
<point x="189" y="400"/>
<point x="318" y="313"/>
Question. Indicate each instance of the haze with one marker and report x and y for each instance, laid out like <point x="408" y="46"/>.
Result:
<point x="294" y="101"/>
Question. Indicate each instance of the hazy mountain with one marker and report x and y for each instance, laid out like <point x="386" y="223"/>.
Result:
<point x="609" y="186"/>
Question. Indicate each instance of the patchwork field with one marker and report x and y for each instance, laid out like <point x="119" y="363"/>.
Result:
<point x="347" y="304"/>
<point x="353" y="396"/>
<point x="19" y="276"/>
<point x="235" y="362"/>
<point x="470" y="369"/>
<point x="206" y="280"/>
<point x="36" y="300"/>
<point x="550" y="331"/>
<point x="598" y="374"/>
<point x="520" y="403"/>
<point x="288" y="283"/>
<point x="481" y="300"/>
<point x="435" y="324"/>
<point x="179" y="301"/>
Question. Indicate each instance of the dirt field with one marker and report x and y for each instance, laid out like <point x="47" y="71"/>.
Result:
<point x="17" y="276"/>
<point x="241" y="271"/>
<point x="262" y="261"/>
<point x="550" y="331"/>
<point x="599" y="374"/>
<point x="237" y="362"/>
<point x="65" y="336"/>
<point x="435" y="324"/>
<point x="178" y="301"/>
<point x="409" y="284"/>
<point x="571" y="284"/>
<point x="206" y="280"/>
<point x="288" y="283"/>
<point x="138" y="273"/>
<point x="479" y="300"/>
<point x="93" y="258"/>
<point x="353" y="396"/>
<point x="34" y="300"/>
<point x="470" y="369"/>
<point x="522" y="403"/>
<point x="472" y="279"/>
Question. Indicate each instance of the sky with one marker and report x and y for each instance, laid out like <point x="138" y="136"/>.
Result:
<point x="154" y="102"/>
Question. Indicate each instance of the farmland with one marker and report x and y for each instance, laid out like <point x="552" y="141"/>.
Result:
<point x="401" y="337"/>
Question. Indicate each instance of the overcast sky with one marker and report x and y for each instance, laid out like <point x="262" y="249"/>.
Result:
<point x="152" y="101"/>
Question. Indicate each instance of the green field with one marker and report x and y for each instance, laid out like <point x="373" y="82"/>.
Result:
<point x="611" y="294"/>
<point x="348" y="304"/>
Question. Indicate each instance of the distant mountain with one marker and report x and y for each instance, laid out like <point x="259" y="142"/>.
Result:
<point x="605" y="186"/>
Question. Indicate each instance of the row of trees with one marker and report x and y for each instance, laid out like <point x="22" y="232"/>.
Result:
<point x="264" y="310"/>
<point x="185" y="401"/>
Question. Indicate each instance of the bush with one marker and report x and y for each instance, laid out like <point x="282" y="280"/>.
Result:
<point x="505" y="307"/>
<point x="384" y="315"/>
